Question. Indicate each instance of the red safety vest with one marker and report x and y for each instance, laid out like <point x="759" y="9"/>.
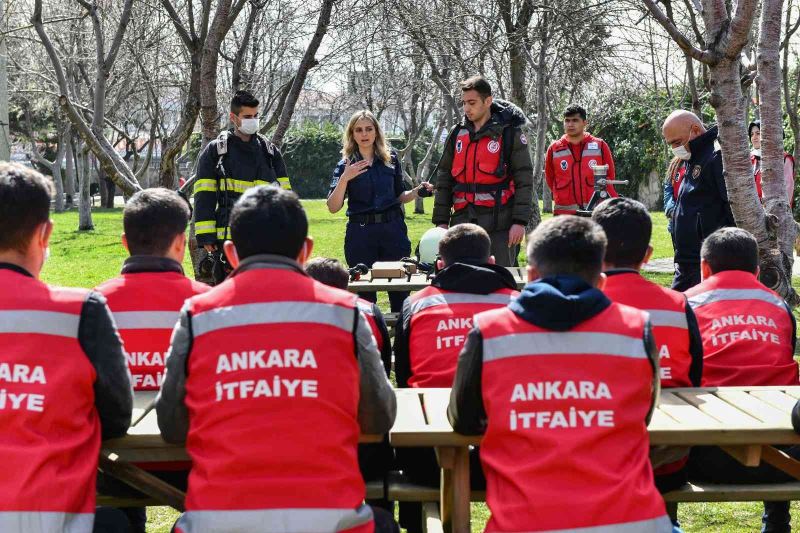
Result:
<point x="367" y="307"/>
<point x="756" y="162"/>
<point x="667" y="309"/>
<point x="51" y="432"/>
<point x="746" y="330"/>
<point x="272" y="392"/>
<point x="478" y="172"/>
<point x="566" y="445"/>
<point x="146" y="306"/>
<point x="439" y="323"/>
<point x="573" y="181"/>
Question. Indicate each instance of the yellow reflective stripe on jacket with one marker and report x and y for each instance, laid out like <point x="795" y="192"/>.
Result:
<point x="202" y="227"/>
<point x="284" y="183"/>
<point x="207" y="185"/>
<point x="240" y="186"/>
<point x="221" y="233"/>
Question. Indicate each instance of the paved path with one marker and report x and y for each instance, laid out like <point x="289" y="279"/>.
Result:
<point x="665" y="266"/>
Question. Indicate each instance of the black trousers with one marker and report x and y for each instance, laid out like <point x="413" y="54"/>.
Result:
<point x="687" y="275"/>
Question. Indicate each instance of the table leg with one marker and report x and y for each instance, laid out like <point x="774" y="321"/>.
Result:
<point x="455" y="488"/>
<point x="780" y="460"/>
<point x="748" y="455"/>
<point x="142" y="481"/>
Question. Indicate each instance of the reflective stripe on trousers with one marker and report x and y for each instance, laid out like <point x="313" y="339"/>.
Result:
<point x="46" y="522"/>
<point x="661" y="524"/>
<point x="275" y="520"/>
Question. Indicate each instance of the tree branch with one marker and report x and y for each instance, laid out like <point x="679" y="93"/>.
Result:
<point x="677" y="36"/>
<point x="188" y="40"/>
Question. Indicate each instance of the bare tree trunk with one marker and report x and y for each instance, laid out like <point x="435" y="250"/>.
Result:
<point x="70" y="162"/>
<point x="791" y="97"/>
<point x="536" y="216"/>
<point x="306" y="64"/>
<point x="729" y="35"/>
<point x="774" y="187"/>
<point x="84" y="197"/>
<point x="58" y="180"/>
<point x="223" y="19"/>
<point x="692" y="82"/>
<point x="539" y="145"/>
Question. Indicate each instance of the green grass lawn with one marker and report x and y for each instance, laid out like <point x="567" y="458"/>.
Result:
<point x="84" y="259"/>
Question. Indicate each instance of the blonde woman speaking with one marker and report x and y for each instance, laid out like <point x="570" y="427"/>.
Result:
<point x="369" y="175"/>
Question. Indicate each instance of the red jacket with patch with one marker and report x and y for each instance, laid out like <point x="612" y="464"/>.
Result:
<point x="571" y="178"/>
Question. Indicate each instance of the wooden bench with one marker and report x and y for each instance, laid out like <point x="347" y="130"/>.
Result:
<point x="404" y="491"/>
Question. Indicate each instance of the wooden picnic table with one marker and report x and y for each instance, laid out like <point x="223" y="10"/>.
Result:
<point x="417" y="282"/>
<point x="143" y="444"/>
<point x="744" y="421"/>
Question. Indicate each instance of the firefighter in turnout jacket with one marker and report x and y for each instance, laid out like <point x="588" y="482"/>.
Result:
<point x="238" y="159"/>
<point x="485" y="175"/>
<point x="270" y="380"/>
<point x="562" y="383"/>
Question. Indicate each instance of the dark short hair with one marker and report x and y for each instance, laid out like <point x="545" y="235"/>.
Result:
<point x="730" y="249"/>
<point x="479" y="84"/>
<point x="575" y="109"/>
<point x="567" y="245"/>
<point x="628" y="229"/>
<point x="242" y="99"/>
<point x="25" y="197"/>
<point x="465" y="243"/>
<point x="328" y="271"/>
<point x="754" y="124"/>
<point x="268" y="220"/>
<point x="152" y="218"/>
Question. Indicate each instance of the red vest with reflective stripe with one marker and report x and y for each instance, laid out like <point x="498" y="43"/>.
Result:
<point x="440" y="322"/>
<point x="476" y="163"/>
<point x="756" y="162"/>
<point x="566" y="444"/>
<point x="366" y="307"/>
<point x="146" y="307"/>
<point x="676" y="181"/>
<point x="573" y="181"/>
<point x="667" y="309"/>
<point x="51" y="432"/>
<point x="746" y="330"/>
<point x="272" y="391"/>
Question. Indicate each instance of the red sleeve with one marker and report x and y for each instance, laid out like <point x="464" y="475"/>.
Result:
<point x="548" y="167"/>
<point x="612" y="173"/>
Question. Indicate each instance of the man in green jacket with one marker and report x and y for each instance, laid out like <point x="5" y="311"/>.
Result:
<point x="485" y="175"/>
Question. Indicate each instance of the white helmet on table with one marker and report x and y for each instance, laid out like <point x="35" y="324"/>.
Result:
<point x="429" y="245"/>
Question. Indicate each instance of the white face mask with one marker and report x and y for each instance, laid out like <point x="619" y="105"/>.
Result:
<point x="681" y="152"/>
<point x="249" y="126"/>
